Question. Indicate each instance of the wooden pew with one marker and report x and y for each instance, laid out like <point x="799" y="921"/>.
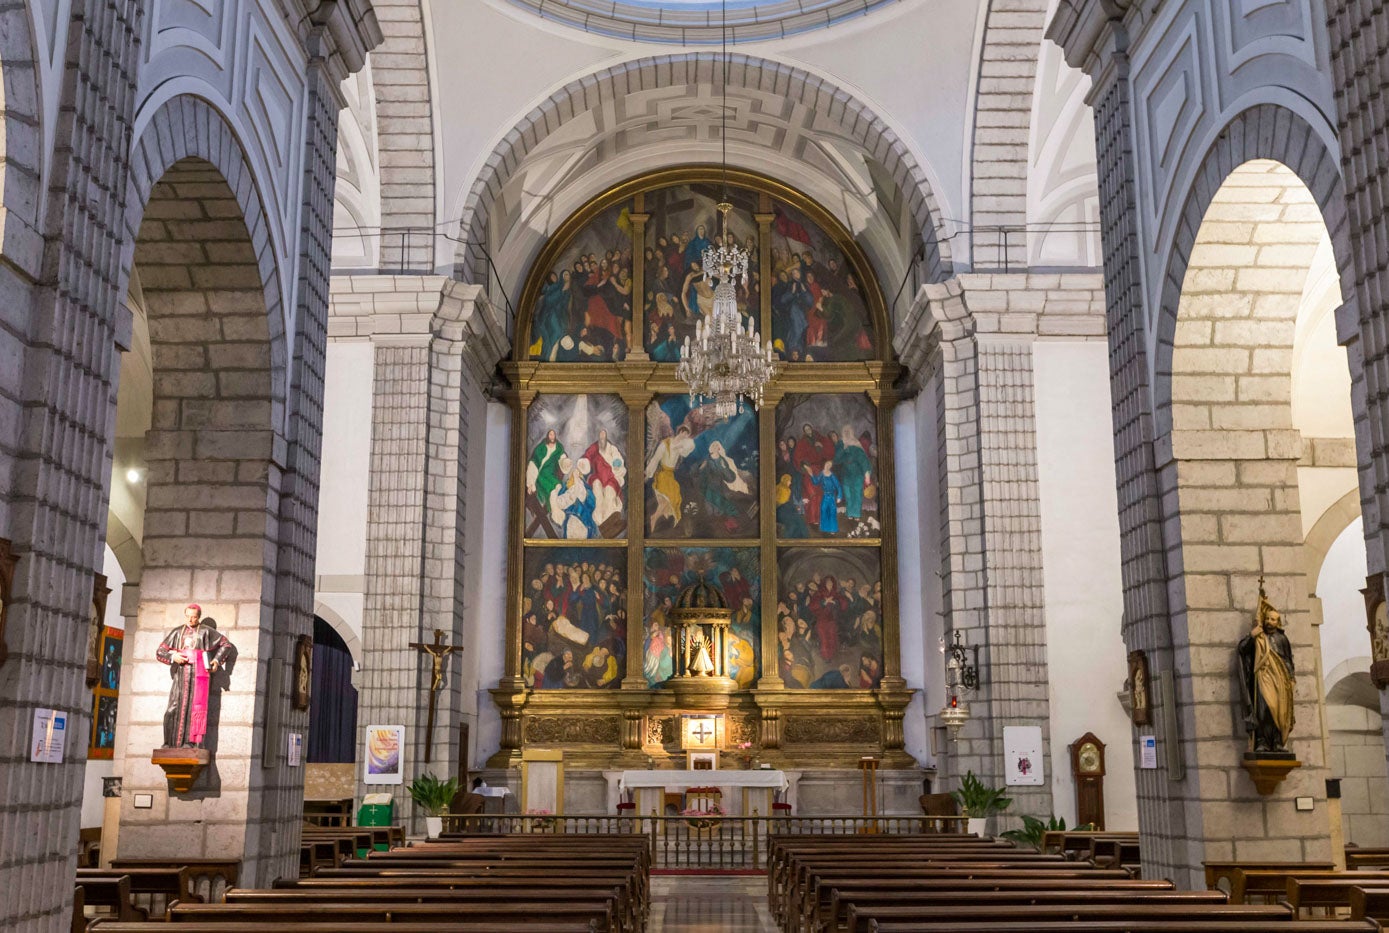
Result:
<point x="112" y="892"/>
<point x="962" y="916"/>
<point x="209" y="877"/>
<point x="271" y="926"/>
<point x="1370" y="904"/>
<point x="152" y="889"/>
<point x="1218" y="871"/>
<point x="850" y="905"/>
<point x="1132" y="926"/>
<point x="1359" y="858"/>
<point x="1270" y="885"/>
<point x="596" y="913"/>
<point x="1326" y="893"/>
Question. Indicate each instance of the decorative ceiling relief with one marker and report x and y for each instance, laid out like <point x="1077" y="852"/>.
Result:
<point x="698" y="22"/>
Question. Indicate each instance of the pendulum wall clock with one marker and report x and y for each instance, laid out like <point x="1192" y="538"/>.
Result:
<point x="1087" y="766"/>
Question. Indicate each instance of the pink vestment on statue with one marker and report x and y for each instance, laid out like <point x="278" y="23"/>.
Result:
<point x="197" y="725"/>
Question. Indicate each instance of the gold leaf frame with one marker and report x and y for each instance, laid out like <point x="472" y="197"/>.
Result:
<point x="637" y="379"/>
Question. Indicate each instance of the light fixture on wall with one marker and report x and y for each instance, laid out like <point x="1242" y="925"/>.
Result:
<point x="726" y="361"/>
<point x="960" y="675"/>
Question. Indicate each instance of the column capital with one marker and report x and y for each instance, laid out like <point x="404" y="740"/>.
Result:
<point x="339" y="33"/>
<point x="1087" y="30"/>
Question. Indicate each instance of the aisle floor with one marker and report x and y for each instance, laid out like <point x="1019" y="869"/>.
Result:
<point x="709" y="903"/>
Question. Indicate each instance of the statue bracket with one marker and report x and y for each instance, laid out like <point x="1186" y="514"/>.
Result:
<point x="1266" y="772"/>
<point x="181" y="766"/>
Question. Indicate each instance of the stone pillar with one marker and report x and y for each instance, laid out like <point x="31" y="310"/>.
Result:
<point x="435" y="340"/>
<point x="977" y="332"/>
<point x="61" y="320"/>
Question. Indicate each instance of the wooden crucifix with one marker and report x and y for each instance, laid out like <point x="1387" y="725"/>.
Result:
<point x="438" y="653"/>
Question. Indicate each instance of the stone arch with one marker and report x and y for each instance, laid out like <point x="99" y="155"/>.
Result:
<point x="185" y="128"/>
<point x="196" y="230"/>
<point x="835" y="107"/>
<point x="1227" y="454"/>
<point x="346" y="632"/>
<point x="1265" y="131"/>
<point x="1325" y="531"/>
<point x="21" y="155"/>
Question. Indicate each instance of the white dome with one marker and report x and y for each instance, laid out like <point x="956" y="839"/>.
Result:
<point x="698" y="22"/>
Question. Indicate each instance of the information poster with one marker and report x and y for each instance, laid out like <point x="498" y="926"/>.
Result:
<point x="49" y="737"/>
<point x="1147" y="745"/>
<point x="1022" y="750"/>
<point x="385" y="747"/>
<point x="296" y="749"/>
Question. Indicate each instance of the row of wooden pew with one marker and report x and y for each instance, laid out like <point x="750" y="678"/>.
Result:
<point x="964" y="884"/>
<point x="524" y="883"/>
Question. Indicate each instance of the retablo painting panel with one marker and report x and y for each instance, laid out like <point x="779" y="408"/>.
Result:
<point x="737" y="573"/>
<point x="829" y="617"/>
<point x="583" y="313"/>
<point x="827" y="467"/>
<point x="574" y="618"/>
<point x="576" y="475"/>
<point x="819" y="309"/>
<point x="701" y="471"/>
<point x="684" y="221"/>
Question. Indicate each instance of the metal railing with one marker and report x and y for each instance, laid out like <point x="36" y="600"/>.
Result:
<point x="704" y="842"/>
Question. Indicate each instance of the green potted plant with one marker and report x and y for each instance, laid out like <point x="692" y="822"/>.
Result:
<point x="433" y="796"/>
<point x="978" y="801"/>
<point x="1034" y="830"/>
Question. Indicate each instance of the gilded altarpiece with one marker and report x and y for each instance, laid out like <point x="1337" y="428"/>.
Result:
<point x="632" y="491"/>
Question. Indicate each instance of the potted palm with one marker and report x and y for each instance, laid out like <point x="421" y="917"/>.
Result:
<point x="978" y="801"/>
<point x="433" y="796"/>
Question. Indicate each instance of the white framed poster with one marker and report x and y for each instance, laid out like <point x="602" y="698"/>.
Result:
<point x="385" y="752"/>
<point x="1022" y="752"/>
<point x="49" y="736"/>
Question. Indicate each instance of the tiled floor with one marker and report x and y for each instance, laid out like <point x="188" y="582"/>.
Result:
<point x="709" y="904"/>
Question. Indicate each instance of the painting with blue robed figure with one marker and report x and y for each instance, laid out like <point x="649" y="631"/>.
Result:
<point x="583" y="312"/>
<point x="574" y="618"/>
<point x="576" y="467"/>
<point x="827" y="467"/>
<point x="737" y="573"/>
<point x="701" y="471"/>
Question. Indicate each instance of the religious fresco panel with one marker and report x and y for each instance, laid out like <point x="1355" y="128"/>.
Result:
<point x="819" y="306"/>
<point x="701" y="471"/>
<point x="829" y="617"/>
<point x="737" y="573"/>
<point x="583" y="313"/>
<point x="684" y="221"/>
<point x="576" y="472"/>
<point x="574" y="618"/>
<point x="827" y="467"/>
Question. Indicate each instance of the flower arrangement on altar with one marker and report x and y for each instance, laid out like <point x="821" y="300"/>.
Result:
<point x="541" y="821"/>
<point x="702" y="816"/>
<point x="745" y="754"/>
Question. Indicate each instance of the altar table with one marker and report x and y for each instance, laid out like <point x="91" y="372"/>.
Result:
<point x="757" y="788"/>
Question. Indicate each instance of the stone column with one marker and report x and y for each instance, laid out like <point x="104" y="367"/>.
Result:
<point x="978" y="332"/>
<point x="425" y="363"/>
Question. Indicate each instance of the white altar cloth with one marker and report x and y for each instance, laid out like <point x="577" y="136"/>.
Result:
<point x="681" y="780"/>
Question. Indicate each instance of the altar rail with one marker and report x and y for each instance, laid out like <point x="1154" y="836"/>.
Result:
<point x="717" y="842"/>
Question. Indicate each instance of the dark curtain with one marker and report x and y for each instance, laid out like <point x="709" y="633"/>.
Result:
<point x="333" y="704"/>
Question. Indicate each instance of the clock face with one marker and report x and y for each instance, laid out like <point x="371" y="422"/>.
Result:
<point x="1089" y="757"/>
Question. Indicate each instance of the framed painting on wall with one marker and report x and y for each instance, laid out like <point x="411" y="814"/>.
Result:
<point x="105" y="694"/>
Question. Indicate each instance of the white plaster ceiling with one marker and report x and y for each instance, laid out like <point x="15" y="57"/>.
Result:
<point x="700" y="22"/>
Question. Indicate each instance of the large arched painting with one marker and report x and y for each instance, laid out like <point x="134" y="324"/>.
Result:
<point x="576" y="471"/>
<point x="811" y="301"/>
<point x="684" y="222"/>
<point x="701" y="471"/>
<point x="574" y="618"/>
<point x="738" y="575"/>
<point x="827" y="467"/>
<point x="819" y="308"/>
<point x="583" y="313"/>
<point x="830" y="618"/>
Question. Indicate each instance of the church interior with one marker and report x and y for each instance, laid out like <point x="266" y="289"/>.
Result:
<point x="692" y="465"/>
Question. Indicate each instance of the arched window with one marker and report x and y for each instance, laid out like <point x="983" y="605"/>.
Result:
<point x="629" y="490"/>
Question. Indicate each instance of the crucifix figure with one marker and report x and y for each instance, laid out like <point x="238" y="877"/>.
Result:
<point x="438" y="653"/>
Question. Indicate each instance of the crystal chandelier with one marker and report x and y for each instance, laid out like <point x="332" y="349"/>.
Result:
<point x="726" y="361"/>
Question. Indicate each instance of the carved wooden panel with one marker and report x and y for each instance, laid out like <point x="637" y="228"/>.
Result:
<point x="831" y="730"/>
<point x="581" y="730"/>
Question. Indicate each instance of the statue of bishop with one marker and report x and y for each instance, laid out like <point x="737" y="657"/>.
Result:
<point x="1266" y="681"/>
<point x="194" y="652"/>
